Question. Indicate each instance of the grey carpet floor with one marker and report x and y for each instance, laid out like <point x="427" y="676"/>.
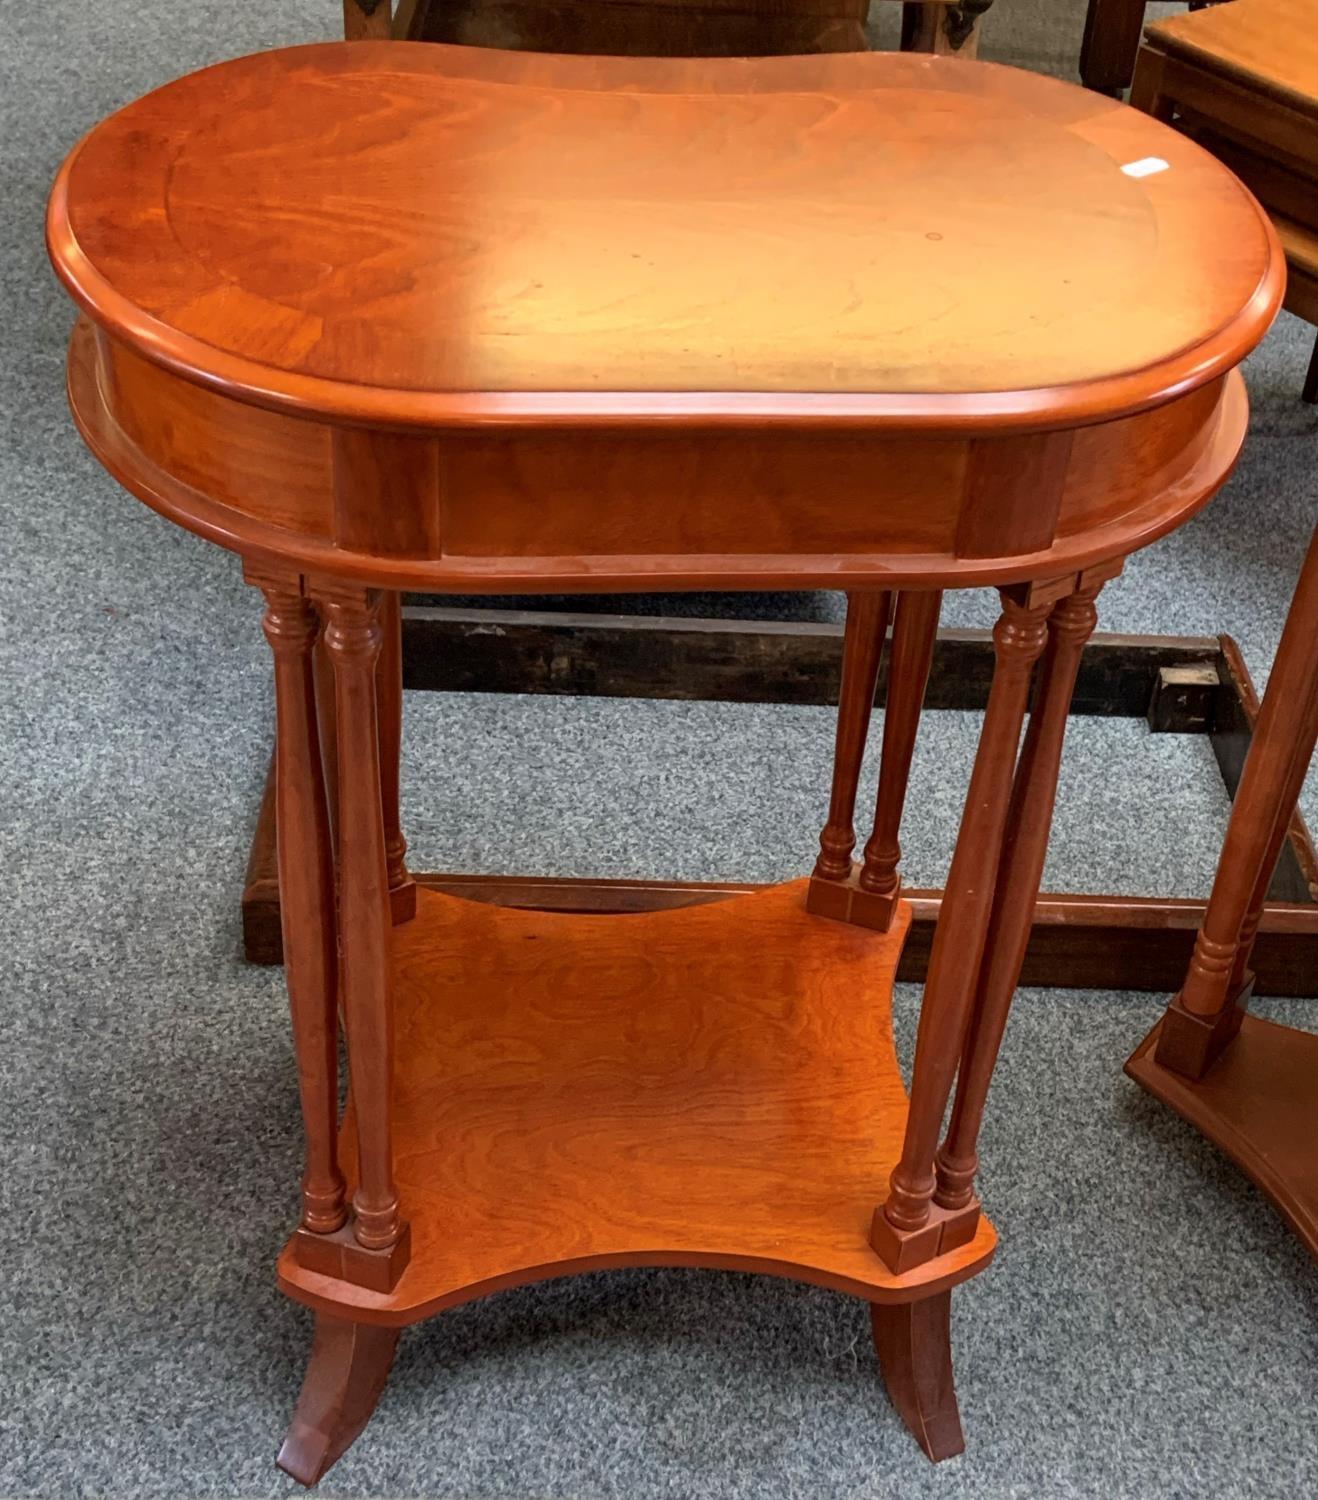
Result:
<point x="1148" y="1328"/>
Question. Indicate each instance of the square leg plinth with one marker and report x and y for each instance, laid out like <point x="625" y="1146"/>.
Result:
<point x="945" y="1230"/>
<point x="1189" y="1044"/>
<point x="847" y="901"/>
<point x="339" y="1255"/>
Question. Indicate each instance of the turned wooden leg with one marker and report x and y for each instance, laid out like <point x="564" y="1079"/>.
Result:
<point x="328" y="726"/>
<point x="352" y="639"/>
<point x="306" y="892"/>
<point x="913" y="636"/>
<point x="862" y="646"/>
<point x="914" y="1344"/>
<point x="389" y="689"/>
<point x="345" y="1378"/>
<point x="1310" y="392"/>
<point x="1205" y="1015"/>
<point x="1025" y="847"/>
<point x="905" y="1232"/>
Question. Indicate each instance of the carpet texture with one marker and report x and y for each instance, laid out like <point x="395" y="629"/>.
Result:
<point x="1148" y="1328"/>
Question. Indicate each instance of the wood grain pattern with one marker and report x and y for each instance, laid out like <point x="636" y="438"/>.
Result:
<point x="1158" y="493"/>
<point x="478" y="277"/>
<point x="695" y="1087"/>
<point x="553" y="323"/>
<point x="1242" y="81"/>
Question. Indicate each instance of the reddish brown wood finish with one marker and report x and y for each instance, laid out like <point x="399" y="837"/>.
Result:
<point x="352" y="642"/>
<point x="685" y="28"/>
<point x="904" y="1233"/>
<point x="867" y="623"/>
<point x="1249" y="1085"/>
<point x="501" y="346"/>
<point x="306" y="886"/>
<point x="1258" y="1104"/>
<point x="1205" y="1015"/>
<point x="389" y="700"/>
<point x="687" y="1087"/>
<point x="914" y="1345"/>
<point x="1110" y="44"/>
<point x="913" y="636"/>
<point x="1025" y="846"/>
<point x="1241" y="79"/>
<point x="350" y="1363"/>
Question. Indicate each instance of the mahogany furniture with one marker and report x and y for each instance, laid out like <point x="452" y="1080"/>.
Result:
<point x="1242" y="80"/>
<point x="1174" y="685"/>
<point x="382" y="317"/>
<point x="666" y="28"/>
<point x="1112" y="40"/>
<point x="1199" y="686"/>
<point x="1250" y="1085"/>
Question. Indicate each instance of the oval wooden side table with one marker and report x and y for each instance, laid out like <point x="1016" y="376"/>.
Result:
<point x="382" y="317"/>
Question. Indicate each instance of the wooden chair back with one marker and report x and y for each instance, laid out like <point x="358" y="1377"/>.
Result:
<point x="665" y="28"/>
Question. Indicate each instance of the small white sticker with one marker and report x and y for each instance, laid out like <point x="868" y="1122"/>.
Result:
<point x="1146" y="166"/>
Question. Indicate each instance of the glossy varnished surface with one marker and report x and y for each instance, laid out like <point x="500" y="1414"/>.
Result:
<point x="1259" y="1104"/>
<point x="714" y="1086"/>
<point x="1269" y="45"/>
<point x="544" y="513"/>
<point x="426" y="234"/>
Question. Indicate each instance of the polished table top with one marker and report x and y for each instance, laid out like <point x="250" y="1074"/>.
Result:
<point x="424" y="234"/>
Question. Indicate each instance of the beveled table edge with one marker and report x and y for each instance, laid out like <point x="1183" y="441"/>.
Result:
<point x="1038" y="409"/>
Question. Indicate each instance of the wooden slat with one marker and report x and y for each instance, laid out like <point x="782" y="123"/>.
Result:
<point x="744" y="661"/>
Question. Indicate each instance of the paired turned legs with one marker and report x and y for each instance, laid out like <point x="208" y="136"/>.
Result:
<point x="868" y="894"/>
<point x="343" y="874"/>
<point x="1206" y="1015"/>
<point x="341" y="866"/>
<point x="987" y="913"/>
<point x="993" y="883"/>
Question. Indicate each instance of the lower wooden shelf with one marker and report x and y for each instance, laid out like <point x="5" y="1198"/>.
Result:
<point x="709" y="1086"/>
<point x="1259" y="1104"/>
